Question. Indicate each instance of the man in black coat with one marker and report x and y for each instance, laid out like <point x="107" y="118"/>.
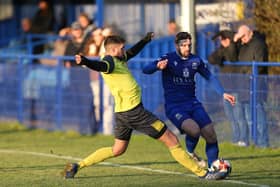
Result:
<point x="226" y="52"/>
<point x="252" y="47"/>
<point x="42" y="23"/>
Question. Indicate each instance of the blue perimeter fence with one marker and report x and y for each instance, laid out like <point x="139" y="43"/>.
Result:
<point x="61" y="99"/>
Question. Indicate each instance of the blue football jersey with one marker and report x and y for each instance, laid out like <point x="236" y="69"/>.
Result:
<point x="179" y="77"/>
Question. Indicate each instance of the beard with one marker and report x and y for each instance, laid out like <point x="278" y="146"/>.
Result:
<point x="183" y="55"/>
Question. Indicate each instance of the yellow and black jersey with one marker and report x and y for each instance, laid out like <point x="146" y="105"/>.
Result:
<point x="114" y="70"/>
<point x="123" y="86"/>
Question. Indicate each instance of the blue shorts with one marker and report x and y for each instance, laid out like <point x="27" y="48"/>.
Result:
<point x="191" y="110"/>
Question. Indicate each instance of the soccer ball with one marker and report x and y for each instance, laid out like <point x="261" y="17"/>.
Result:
<point x="221" y="165"/>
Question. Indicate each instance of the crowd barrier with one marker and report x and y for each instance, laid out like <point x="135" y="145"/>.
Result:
<point x="57" y="98"/>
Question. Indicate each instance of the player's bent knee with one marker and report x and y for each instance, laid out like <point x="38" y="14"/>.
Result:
<point x="191" y="128"/>
<point x="118" y="152"/>
<point x="119" y="147"/>
<point x="209" y="134"/>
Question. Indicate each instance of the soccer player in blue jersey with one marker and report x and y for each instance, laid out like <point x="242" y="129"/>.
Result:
<point x="181" y="105"/>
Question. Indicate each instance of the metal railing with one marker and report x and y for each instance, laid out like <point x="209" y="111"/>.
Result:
<point x="136" y="67"/>
<point x="254" y="88"/>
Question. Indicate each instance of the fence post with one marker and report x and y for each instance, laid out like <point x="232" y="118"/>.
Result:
<point x="101" y="105"/>
<point x="201" y="41"/>
<point x="164" y="48"/>
<point x="142" y="18"/>
<point x="58" y="118"/>
<point x="19" y="93"/>
<point x="29" y="44"/>
<point x="100" y="12"/>
<point x="253" y="103"/>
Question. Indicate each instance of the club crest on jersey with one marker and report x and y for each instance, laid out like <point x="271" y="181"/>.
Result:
<point x="186" y="72"/>
<point x="178" y="116"/>
<point x="175" y="63"/>
<point x="194" y="65"/>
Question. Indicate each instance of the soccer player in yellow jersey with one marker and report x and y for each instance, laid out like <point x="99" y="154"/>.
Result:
<point x="129" y="112"/>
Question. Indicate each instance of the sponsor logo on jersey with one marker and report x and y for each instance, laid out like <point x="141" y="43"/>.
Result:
<point x="186" y="72"/>
<point x="182" y="81"/>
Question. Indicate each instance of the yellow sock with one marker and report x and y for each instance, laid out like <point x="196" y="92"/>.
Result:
<point x="96" y="157"/>
<point x="184" y="159"/>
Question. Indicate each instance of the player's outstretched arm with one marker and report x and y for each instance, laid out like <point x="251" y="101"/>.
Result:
<point x="154" y="66"/>
<point x="134" y="50"/>
<point x="230" y="98"/>
<point x="106" y="65"/>
<point x="162" y="64"/>
<point x="215" y="83"/>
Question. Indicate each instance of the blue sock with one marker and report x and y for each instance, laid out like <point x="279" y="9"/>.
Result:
<point x="212" y="152"/>
<point x="191" y="143"/>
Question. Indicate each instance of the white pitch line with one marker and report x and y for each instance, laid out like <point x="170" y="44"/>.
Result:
<point x="122" y="166"/>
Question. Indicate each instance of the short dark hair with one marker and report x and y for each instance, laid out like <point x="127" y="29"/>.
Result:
<point x="182" y="36"/>
<point x="114" y="39"/>
<point x="172" y="21"/>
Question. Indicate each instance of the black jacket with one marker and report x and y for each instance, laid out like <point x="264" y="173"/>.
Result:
<point x="255" y="50"/>
<point x="222" y="54"/>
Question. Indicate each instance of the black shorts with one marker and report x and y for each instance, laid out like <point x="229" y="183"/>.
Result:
<point x="138" y="119"/>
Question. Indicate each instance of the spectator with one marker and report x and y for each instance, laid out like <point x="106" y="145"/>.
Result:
<point x="75" y="45"/>
<point x="22" y="40"/>
<point x="228" y="52"/>
<point x="42" y="23"/>
<point x="26" y="25"/>
<point x="43" y="20"/>
<point x="107" y="31"/>
<point x="94" y="43"/>
<point x="172" y="28"/>
<point x="31" y="93"/>
<point x="87" y="25"/>
<point x="108" y="101"/>
<point x="59" y="46"/>
<point x="252" y="47"/>
<point x="96" y="49"/>
<point x="92" y="49"/>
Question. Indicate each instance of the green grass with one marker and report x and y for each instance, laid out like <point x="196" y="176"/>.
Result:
<point x="251" y="166"/>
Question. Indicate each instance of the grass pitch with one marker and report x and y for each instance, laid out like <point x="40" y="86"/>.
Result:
<point x="36" y="158"/>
